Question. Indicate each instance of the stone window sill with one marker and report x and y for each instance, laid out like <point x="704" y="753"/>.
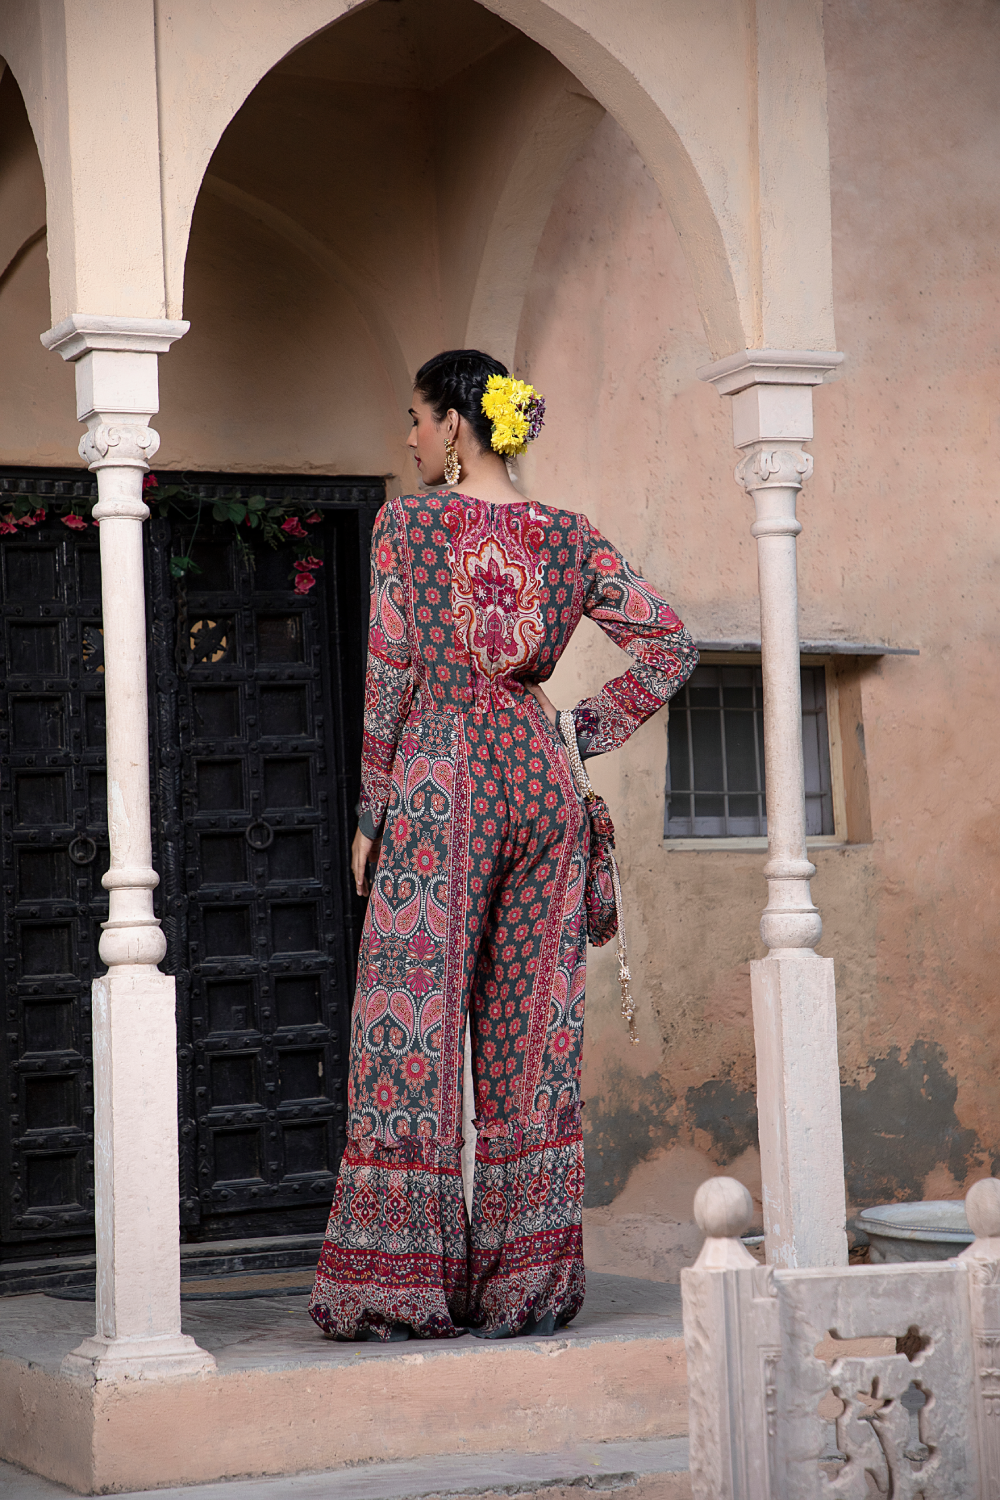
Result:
<point x="821" y="841"/>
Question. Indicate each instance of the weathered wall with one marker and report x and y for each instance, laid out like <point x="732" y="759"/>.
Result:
<point x="897" y="547"/>
<point x="317" y="278"/>
<point x="904" y="513"/>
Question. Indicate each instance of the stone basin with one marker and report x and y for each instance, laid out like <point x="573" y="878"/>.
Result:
<point x="933" y="1230"/>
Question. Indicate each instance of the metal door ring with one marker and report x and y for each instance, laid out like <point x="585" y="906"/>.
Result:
<point x="82" y="850"/>
<point x="262" y="840"/>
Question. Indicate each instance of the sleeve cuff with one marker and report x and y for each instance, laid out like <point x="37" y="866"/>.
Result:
<point x="585" y="745"/>
<point x="367" y="825"/>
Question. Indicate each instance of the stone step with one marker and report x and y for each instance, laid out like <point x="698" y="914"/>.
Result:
<point x="655" y="1469"/>
<point x="284" y="1400"/>
<point x="273" y="1253"/>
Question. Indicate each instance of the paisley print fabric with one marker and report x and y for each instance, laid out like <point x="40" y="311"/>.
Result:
<point x="476" y="914"/>
<point x="495" y="587"/>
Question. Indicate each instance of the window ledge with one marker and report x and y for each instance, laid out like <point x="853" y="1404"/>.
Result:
<point x="832" y="647"/>
<point x="820" y="841"/>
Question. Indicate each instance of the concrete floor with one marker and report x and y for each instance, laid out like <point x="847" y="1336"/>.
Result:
<point x="601" y="1467"/>
<point x="615" y="1376"/>
<point x="277" y="1333"/>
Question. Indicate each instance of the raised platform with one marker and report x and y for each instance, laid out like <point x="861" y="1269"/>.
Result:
<point x="284" y="1400"/>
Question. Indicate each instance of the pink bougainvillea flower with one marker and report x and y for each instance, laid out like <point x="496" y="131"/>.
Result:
<point x="28" y="520"/>
<point x="313" y="518"/>
<point x="304" y="583"/>
<point x="293" y="527"/>
<point x="6" y="527"/>
<point x="150" y="482"/>
<point x="74" y="522"/>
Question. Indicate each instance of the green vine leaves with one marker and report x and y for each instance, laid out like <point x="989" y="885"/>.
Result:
<point x="255" y="519"/>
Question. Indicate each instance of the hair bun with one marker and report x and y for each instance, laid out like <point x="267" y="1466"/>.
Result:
<point x="457" y="380"/>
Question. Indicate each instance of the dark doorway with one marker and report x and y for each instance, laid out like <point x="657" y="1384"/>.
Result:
<point x="53" y="810"/>
<point x="255" y="709"/>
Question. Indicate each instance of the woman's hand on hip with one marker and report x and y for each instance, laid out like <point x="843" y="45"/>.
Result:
<point x="542" y="699"/>
<point x="363" y="852"/>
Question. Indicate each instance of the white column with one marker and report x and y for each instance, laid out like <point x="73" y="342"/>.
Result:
<point x="138" y="1331"/>
<point x="794" y="1001"/>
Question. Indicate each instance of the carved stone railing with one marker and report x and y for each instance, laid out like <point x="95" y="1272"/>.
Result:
<point x="861" y="1383"/>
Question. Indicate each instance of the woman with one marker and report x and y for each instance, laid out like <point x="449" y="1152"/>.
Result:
<point x="476" y="907"/>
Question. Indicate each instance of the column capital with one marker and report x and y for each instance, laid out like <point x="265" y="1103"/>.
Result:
<point x="737" y="372"/>
<point x="116" y="364"/>
<point x="770" y="467"/>
<point x="118" y="445"/>
<point x="82" y="332"/>
<point x="771" y="390"/>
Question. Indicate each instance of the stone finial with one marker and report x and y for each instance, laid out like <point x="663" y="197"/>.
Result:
<point x="723" y="1210"/>
<point x="982" y="1208"/>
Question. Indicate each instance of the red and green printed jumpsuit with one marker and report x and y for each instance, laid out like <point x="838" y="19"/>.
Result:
<point x="477" y="910"/>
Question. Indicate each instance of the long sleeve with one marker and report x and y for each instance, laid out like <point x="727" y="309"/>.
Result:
<point x="389" y="678"/>
<point x="637" y="618"/>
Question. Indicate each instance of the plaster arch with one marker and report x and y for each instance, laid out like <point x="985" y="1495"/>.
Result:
<point x="87" y="74"/>
<point x="22" y="183"/>
<point x="724" y="100"/>
<point x="362" y="291"/>
<point x="433" y="245"/>
<point x="693" y="122"/>
<point x="491" y="234"/>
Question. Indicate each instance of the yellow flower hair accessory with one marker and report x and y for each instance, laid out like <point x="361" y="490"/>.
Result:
<point x="517" y="412"/>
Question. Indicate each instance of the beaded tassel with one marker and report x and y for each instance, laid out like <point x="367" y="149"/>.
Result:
<point x="624" y="972"/>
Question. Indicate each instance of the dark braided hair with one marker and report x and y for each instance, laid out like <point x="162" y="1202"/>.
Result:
<point x="457" y="379"/>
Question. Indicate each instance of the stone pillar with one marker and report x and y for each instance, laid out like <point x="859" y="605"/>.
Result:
<point x="982" y="1262"/>
<point x="138" y="1331"/>
<point x="794" y="1001"/>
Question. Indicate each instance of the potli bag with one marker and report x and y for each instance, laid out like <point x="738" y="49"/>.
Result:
<point x="603" y="892"/>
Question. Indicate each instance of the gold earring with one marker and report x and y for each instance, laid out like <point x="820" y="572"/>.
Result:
<point x="452" y="467"/>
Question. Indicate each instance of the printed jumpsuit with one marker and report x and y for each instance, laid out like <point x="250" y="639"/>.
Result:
<point x="477" y="910"/>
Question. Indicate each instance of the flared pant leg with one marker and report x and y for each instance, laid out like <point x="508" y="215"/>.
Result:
<point x="526" y="1013"/>
<point x="396" y="1248"/>
<point x="479" y="893"/>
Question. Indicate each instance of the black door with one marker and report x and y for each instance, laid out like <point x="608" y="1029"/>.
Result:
<point x="255" y="701"/>
<point x="256" y="785"/>
<point x="53" y="808"/>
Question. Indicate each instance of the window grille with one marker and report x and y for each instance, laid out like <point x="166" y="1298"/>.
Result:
<point x="715" y="767"/>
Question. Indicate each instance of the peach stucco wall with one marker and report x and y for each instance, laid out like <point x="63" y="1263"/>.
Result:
<point x="322" y="268"/>
<point x="897" y="547"/>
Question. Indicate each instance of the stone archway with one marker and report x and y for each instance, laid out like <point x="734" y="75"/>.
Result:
<point x="700" y="154"/>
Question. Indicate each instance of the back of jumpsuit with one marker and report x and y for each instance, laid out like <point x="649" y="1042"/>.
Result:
<point x="477" y="909"/>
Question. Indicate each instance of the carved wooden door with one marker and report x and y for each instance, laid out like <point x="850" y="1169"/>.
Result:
<point x="253" y="791"/>
<point x="53" y="811"/>
<point x="255" y="714"/>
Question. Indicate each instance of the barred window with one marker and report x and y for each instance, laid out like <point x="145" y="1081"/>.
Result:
<point x="716" y="785"/>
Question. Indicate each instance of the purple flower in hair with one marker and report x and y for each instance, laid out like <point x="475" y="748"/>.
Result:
<point x="535" y="414"/>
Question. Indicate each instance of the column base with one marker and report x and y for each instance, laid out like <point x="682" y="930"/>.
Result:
<point x="100" y="1358"/>
<point x="798" y="1103"/>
